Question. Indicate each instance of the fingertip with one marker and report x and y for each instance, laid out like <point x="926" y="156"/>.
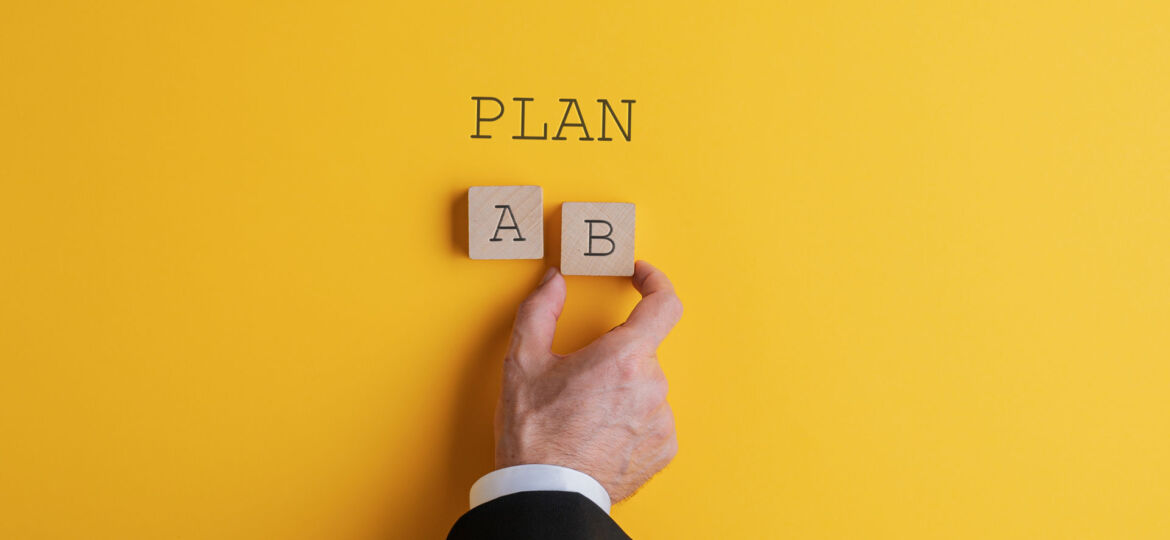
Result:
<point x="551" y="289"/>
<point x="549" y="274"/>
<point x="648" y="278"/>
<point x="556" y="279"/>
<point x="536" y="317"/>
<point x="642" y="270"/>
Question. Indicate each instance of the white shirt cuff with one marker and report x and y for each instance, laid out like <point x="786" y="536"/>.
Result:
<point x="520" y="478"/>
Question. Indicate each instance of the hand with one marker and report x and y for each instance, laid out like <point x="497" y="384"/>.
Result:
<point x="601" y="410"/>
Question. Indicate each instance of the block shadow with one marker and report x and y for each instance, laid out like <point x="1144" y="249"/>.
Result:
<point x="552" y="237"/>
<point x="459" y="229"/>
<point x="458" y="221"/>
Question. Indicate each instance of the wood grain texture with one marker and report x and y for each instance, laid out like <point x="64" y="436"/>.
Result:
<point x="597" y="239"/>
<point x="505" y="222"/>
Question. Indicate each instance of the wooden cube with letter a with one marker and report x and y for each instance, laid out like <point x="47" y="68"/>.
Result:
<point x="505" y="222"/>
<point x="597" y="239"/>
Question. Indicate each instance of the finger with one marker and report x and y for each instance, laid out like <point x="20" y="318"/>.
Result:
<point x="536" y="318"/>
<point x="660" y="308"/>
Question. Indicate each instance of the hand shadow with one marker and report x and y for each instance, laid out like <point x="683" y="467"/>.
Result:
<point x="470" y="442"/>
<point x="469" y="446"/>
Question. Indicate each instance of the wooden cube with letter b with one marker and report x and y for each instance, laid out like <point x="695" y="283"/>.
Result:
<point x="505" y="222"/>
<point x="597" y="239"/>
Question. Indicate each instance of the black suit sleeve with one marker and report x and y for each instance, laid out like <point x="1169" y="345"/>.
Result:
<point x="537" y="515"/>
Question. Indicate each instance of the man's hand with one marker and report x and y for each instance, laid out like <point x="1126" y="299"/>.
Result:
<point x="601" y="410"/>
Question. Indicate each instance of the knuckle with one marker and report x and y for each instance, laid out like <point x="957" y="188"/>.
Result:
<point x="513" y="366"/>
<point x="671" y="450"/>
<point x="525" y="310"/>
<point x="667" y="424"/>
<point x="629" y="349"/>
<point x="628" y="371"/>
<point x="674" y="306"/>
<point x="516" y="358"/>
<point x="655" y="408"/>
<point x="659" y="388"/>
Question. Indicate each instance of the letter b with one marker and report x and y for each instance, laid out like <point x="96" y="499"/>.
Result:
<point x="597" y="239"/>
<point x="606" y="237"/>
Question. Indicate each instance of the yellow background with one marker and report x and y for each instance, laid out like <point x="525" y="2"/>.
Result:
<point x="924" y="249"/>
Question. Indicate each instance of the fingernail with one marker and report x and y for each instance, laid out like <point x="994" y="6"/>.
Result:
<point x="548" y="274"/>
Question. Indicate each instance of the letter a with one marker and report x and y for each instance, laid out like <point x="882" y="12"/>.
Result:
<point x="507" y="211"/>
<point x="505" y="222"/>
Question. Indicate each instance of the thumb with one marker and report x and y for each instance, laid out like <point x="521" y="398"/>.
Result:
<point x="660" y="308"/>
<point x="536" y="319"/>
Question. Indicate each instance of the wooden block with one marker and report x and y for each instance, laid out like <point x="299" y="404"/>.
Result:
<point x="505" y="222"/>
<point x="597" y="239"/>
